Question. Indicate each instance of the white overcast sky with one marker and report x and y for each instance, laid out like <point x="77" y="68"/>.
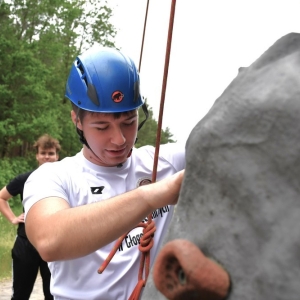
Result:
<point x="211" y="40"/>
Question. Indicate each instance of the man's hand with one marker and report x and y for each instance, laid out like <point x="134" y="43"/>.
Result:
<point x="19" y="219"/>
<point x="164" y="192"/>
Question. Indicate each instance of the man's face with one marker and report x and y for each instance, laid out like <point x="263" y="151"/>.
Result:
<point x="46" y="155"/>
<point x="110" y="139"/>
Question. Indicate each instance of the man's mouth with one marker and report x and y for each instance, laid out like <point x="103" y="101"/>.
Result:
<point x="117" y="152"/>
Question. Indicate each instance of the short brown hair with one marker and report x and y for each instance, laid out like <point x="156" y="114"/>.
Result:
<point x="81" y="112"/>
<point x="45" y="142"/>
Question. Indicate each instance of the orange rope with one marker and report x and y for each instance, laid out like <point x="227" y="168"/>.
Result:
<point x="143" y="37"/>
<point x="146" y="242"/>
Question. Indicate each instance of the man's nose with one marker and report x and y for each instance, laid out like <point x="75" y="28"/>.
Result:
<point x="118" y="137"/>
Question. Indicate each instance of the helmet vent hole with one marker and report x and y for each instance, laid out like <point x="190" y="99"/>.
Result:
<point x="136" y="91"/>
<point x="81" y="69"/>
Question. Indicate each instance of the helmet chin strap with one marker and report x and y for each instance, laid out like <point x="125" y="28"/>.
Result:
<point x="80" y="132"/>
<point x="145" y="110"/>
<point x="84" y="142"/>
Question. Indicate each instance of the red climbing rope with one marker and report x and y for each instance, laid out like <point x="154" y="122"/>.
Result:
<point x="146" y="241"/>
<point x="143" y="38"/>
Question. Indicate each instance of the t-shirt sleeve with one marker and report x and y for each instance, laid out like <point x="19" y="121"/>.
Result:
<point x="16" y="185"/>
<point x="42" y="183"/>
<point x="174" y="153"/>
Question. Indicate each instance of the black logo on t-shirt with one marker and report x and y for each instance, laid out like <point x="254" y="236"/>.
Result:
<point x="97" y="189"/>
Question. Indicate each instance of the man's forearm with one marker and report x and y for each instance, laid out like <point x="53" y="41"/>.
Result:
<point x="6" y="210"/>
<point x="61" y="232"/>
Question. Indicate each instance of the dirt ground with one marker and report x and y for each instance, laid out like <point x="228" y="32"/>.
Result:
<point x="5" y="290"/>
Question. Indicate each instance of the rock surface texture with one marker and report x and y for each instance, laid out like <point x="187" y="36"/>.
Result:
<point x="240" y="199"/>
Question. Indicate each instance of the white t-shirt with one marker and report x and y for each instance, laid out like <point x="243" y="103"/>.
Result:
<point x="80" y="182"/>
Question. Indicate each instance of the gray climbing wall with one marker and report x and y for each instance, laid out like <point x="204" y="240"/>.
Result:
<point x="240" y="200"/>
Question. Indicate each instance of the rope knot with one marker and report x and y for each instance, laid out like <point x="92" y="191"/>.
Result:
<point x="146" y="241"/>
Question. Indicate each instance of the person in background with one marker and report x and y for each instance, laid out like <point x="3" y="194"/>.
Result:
<point x="77" y="208"/>
<point x="26" y="261"/>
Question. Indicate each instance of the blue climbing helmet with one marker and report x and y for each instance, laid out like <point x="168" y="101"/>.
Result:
<point x="104" y="80"/>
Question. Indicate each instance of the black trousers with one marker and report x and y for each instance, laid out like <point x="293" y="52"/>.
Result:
<point x="26" y="264"/>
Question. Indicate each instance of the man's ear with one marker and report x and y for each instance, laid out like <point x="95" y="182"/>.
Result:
<point x="76" y="120"/>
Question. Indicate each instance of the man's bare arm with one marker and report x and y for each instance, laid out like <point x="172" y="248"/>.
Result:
<point x="5" y="209"/>
<point x="59" y="232"/>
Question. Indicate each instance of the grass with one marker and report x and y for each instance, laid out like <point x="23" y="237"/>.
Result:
<point x="7" y="238"/>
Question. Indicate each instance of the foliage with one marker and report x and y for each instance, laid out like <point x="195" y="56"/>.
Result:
<point x="12" y="167"/>
<point x="38" y="43"/>
<point x="148" y="133"/>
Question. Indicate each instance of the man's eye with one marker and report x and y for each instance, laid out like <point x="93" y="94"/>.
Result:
<point x="128" y="124"/>
<point x="101" y="129"/>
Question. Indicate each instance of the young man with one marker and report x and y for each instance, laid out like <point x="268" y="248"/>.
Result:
<point x="26" y="260"/>
<point x="77" y="208"/>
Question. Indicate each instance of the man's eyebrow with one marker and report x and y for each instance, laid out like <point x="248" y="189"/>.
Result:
<point x="131" y="117"/>
<point x="100" y="122"/>
<point x="106" y="122"/>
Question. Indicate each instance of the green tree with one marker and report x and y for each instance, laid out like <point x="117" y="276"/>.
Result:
<point x="148" y="133"/>
<point x="39" y="39"/>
